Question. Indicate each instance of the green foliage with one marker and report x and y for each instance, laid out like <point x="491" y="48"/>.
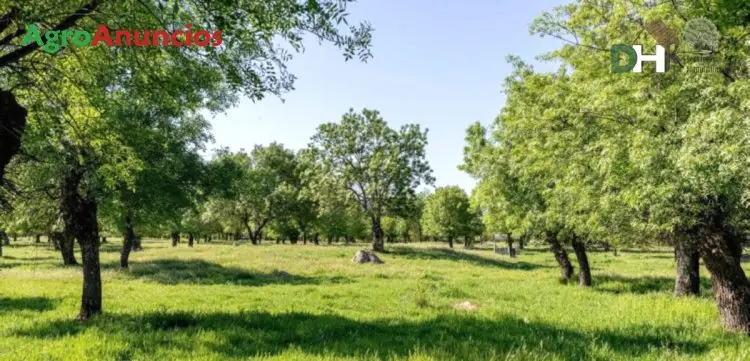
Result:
<point x="626" y="157"/>
<point x="380" y="166"/>
<point x="448" y="214"/>
<point x="257" y="188"/>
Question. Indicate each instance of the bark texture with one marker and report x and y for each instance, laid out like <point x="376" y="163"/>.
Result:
<point x="687" y="281"/>
<point x="377" y="236"/>
<point x="511" y="251"/>
<point x="721" y="255"/>
<point x="127" y="242"/>
<point x="65" y="242"/>
<point x="79" y="213"/>
<point x="561" y="256"/>
<point x="12" y="125"/>
<point x="720" y="246"/>
<point x="584" y="273"/>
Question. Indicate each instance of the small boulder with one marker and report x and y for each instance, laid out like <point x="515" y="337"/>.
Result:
<point x="466" y="306"/>
<point x="363" y="256"/>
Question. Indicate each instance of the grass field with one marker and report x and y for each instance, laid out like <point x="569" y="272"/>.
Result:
<point x="285" y="302"/>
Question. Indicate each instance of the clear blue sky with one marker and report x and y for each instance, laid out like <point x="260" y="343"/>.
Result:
<point x="438" y="63"/>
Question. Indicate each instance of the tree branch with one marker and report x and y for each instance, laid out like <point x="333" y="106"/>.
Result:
<point x="8" y="18"/>
<point x="64" y="24"/>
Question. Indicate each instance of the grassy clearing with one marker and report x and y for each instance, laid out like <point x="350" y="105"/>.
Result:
<point x="283" y="302"/>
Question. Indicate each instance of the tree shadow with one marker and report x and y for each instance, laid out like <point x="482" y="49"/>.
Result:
<point x="617" y="284"/>
<point x="455" y="337"/>
<point x="644" y="251"/>
<point x="201" y="272"/>
<point x="15" y="304"/>
<point x="30" y="259"/>
<point x="451" y="255"/>
<point x="110" y="247"/>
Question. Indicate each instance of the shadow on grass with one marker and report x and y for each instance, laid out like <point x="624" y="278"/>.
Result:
<point x="646" y="251"/>
<point x="8" y="304"/>
<point x="201" y="272"/>
<point x="451" y="255"/>
<point x="617" y="284"/>
<point x="111" y="247"/>
<point x="11" y="264"/>
<point x="30" y="259"/>
<point x="247" y="334"/>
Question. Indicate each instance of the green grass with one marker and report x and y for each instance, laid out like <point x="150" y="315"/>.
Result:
<point x="284" y="302"/>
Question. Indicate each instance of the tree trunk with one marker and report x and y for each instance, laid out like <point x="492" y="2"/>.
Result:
<point x="175" y="238"/>
<point x="584" y="275"/>
<point x="520" y="242"/>
<point x="316" y="239"/>
<point x="12" y="124"/>
<point x="6" y="239"/>
<point x="127" y="242"/>
<point x="254" y="236"/>
<point x="38" y="238"/>
<point x="190" y="239"/>
<point x="251" y="235"/>
<point x="566" y="269"/>
<point x="450" y="242"/>
<point x="66" y="241"/>
<point x="721" y="252"/>
<point x="606" y="246"/>
<point x="55" y="240"/>
<point x="377" y="236"/>
<point x="511" y="251"/>
<point x="687" y="281"/>
<point x="80" y="217"/>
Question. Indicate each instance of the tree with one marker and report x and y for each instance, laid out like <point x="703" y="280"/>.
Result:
<point x="510" y="193"/>
<point x="250" y="58"/>
<point x="668" y="152"/>
<point x="95" y="158"/>
<point x="448" y="214"/>
<point x="169" y="181"/>
<point x="380" y="166"/>
<point x="262" y="186"/>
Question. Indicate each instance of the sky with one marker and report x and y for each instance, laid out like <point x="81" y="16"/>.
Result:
<point x="437" y="63"/>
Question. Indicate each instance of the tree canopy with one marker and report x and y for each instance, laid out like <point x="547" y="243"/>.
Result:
<point x="382" y="167"/>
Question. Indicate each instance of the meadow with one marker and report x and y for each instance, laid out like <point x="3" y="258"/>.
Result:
<point x="219" y="301"/>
